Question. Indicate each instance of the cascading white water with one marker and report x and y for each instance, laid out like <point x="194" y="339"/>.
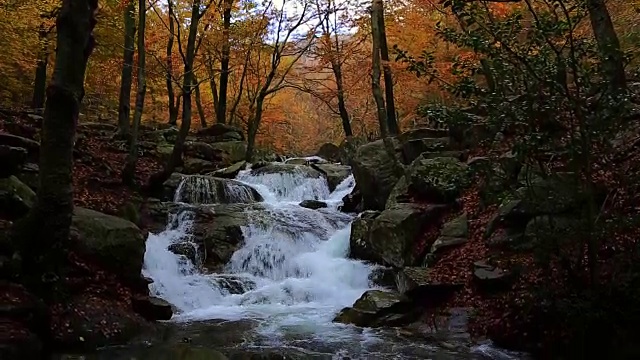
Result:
<point x="293" y="262"/>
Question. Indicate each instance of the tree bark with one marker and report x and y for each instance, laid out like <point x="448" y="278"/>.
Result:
<point x="342" y="107"/>
<point x="392" y="123"/>
<point x="203" y="119"/>
<point x="221" y="110"/>
<point x="124" y="107"/>
<point x="40" y="81"/>
<point x="128" y="173"/>
<point x="375" y="72"/>
<point x="608" y="44"/>
<point x="174" y="102"/>
<point x="156" y="180"/>
<point x="44" y="232"/>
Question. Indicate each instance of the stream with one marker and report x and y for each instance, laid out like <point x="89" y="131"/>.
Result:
<point x="295" y="276"/>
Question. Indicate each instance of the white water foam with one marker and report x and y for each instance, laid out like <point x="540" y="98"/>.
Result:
<point x="294" y="258"/>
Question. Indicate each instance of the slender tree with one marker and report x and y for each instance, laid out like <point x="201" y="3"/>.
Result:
<point x="392" y="123"/>
<point x="376" y="89"/>
<point x="221" y="110"/>
<point x="124" y="107"/>
<point x="174" y="101"/>
<point x="128" y="173"/>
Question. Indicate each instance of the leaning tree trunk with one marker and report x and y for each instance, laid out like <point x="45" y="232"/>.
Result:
<point x="342" y="107"/>
<point x="44" y="232"/>
<point x="128" y="173"/>
<point x="392" y="123"/>
<point x="124" y="106"/>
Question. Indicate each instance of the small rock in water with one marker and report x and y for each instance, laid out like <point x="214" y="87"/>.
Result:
<point x="313" y="204"/>
<point x="152" y="308"/>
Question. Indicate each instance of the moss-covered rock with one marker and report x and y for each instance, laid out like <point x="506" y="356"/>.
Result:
<point x="453" y="233"/>
<point x="439" y="179"/>
<point x="115" y="243"/>
<point x="375" y="173"/>
<point x="359" y="245"/>
<point x="394" y="233"/>
<point x="16" y="198"/>
<point x="234" y="150"/>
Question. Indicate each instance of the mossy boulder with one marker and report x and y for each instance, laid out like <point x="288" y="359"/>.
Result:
<point x="234" y="150"/>
<point x="359" y="245"/>
<point x="375" y="173"/>
<point x="453" y="233"/>
<point x="115" y="243"/>
<point x="16" y="198"/>
<point x="440" y="179"/>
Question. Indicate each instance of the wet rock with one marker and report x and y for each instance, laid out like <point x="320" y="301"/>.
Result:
<point x="32" y="146"/>
<point x="184" y="352"/>
<point x="12" y="159"/>
<point x="115" y="243"/>
<point x="187" y="249"/>
<point x="96" y="127"/>
<point x="377" y="308"/>
<point x="151" y="307"/>
<point x="505" y="239"/>
<point x="277" y="354"/>
<point x="16" y="198"/>
<point x="438" y="179"/>
<point x="313" y="204"/>
<point x="334" y="173"/>
<point x="233" y="284"/>
<point x="393" y="234"/>
<point x="359" y="246"/>
<point x="375" y="173"/>
<point x="453" y="233"/>
<point x="349" y="147"/>
<point x="230" y="172"/>
<point x="417" y="283"/>
<point x="352" y="203"/>
<point x="329" y="151"/>
<point x="383" y="276"/>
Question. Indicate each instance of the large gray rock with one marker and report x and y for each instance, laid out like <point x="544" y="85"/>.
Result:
<point x="230" y="172"/>
<point x="115" y="243"/>
<point x="375" y="173"/>
<point x="12" y="158"/>
<point x="16" y="198"/>
<point x="394" y="233"/>
<point x="418" y="283"/>
<point x="329" y="152"/>
<point x="335" y="173"/>
<point x="32" y="146"/>
<point x="195" y="166"/>
<point x="204" y="151"/>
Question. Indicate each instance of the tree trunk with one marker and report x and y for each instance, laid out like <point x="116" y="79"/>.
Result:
<point x="187" y="83"/>
<point x="174" y="103"/>
<point x="252" y="129"/>
<point x="40" y="81"/>
<point x="44" y="232"/>
<point x="608" y="43"/>
<point x="342" y="107"/>
<point x="124" y="107"/>
<point x="221" y="110"/>
<point x="203" y="119"/>
<point x="375" y="72"/>
<point x="128" y="173"/>
<point x="392" y="123"/>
